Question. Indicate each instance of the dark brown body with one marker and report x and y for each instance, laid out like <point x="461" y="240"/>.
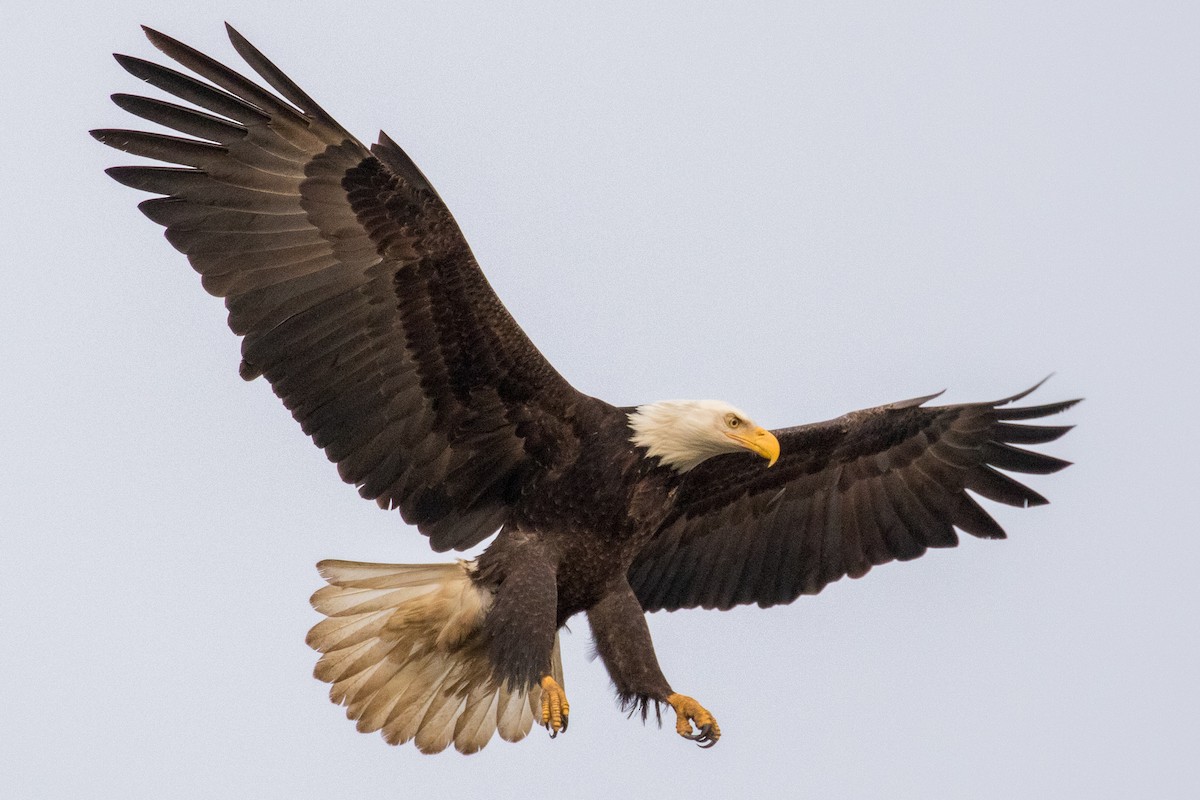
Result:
<point x="565" y="552"/>
<point x="359" y="300"/>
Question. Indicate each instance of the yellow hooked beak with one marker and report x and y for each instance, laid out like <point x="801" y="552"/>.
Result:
<point x="758" y="440"/>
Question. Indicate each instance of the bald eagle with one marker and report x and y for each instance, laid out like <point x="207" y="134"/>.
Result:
<point x="359" y="300"/>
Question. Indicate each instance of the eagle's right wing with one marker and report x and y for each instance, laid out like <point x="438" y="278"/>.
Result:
<point x="356" y="293"/>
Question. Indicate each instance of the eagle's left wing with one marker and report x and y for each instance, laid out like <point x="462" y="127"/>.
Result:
<point x="863" y="489"/>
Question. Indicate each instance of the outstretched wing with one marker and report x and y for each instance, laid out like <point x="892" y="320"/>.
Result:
<point x="354" y="290"/>
<point x="863" y="489"/>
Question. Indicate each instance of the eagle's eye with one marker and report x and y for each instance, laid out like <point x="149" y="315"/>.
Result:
<point x="732" y="421"/>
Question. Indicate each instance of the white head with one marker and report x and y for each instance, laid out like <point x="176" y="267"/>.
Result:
<point x="683" y="433"/>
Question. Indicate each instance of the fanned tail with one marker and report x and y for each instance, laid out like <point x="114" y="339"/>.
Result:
<point x="402" y="646"/>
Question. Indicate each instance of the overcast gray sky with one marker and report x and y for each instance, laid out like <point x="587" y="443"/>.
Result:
<point x="800" y="209"/>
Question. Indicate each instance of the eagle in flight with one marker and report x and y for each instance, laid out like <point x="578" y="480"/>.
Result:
<point x="358" y="299"/>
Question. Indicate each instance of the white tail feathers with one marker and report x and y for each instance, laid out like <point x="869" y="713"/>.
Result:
<point x="402" y="647"/>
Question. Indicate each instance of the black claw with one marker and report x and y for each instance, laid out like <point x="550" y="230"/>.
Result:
<point x="554" y="733"/>
<point x="703" y="737"/>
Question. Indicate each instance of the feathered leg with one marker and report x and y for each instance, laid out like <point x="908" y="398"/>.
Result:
<point x="522" y="623"/>
<point x="623" y="643"/>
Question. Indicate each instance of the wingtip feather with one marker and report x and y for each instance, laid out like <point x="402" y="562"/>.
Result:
<point x="917" y="401"/>
<point x="1025" y="393"/>
<point x="158" y="38"/>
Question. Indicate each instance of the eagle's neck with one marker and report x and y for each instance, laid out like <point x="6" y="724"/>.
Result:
<point x="678" y="432"/>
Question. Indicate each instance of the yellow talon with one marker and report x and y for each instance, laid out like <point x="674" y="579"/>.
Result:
<point x="687" y="712"/>
<point x="555" y="708"/>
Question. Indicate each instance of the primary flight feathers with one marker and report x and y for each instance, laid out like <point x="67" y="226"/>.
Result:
<point x="359" y="300"/>
<point x="353" y="288"/>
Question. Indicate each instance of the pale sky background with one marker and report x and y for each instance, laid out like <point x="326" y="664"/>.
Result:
<point x="802" y="209"/>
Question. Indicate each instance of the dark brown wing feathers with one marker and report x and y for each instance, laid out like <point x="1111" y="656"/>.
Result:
<point x="869" y="487"/>
<point x="354" y="290"/>
<point x="361" y="303"/>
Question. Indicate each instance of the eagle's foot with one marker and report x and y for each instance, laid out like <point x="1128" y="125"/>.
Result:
<point x="555" y="709"/>
<point x="687" y="712"/>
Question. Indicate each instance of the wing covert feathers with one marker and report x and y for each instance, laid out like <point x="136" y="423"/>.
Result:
<point x="403" y="650"/>
<point x="355" y="292"/>
<point x="867" y="488"/>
